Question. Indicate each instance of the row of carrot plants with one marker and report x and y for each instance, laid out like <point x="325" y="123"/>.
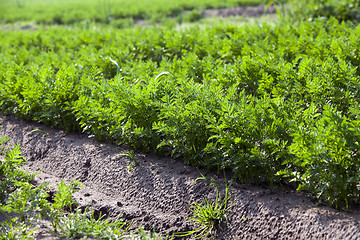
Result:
<point x="116" y="12"/>
<point x="275" y="104"/>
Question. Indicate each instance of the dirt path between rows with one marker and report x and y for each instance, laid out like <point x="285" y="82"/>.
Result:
<point x="239" y="11"/>
<point x="156" y="193"/>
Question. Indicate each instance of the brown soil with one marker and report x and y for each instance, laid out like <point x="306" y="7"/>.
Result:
<point x="255" y="11"/>
<point x="156" y="193"/>
<point x="239" y="11"/>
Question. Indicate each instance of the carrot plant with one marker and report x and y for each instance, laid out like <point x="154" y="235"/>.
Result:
<point x="24" y="204"/>
<point x="10" y="175"/>
<point x="105" y="11"/>
<point x="347" y="10"/>
<point x="275" y="104"/>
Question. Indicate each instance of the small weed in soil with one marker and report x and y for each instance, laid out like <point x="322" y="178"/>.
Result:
<point x="209" y="214"/>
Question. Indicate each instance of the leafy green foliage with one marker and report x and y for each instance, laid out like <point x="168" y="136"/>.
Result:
<point x="342" y="10"/>
<point x="327" y="163"/>
<point x="25" y="200"/>
<point x="274" y="104"/>
<point x="31" y="203"/>
<point x="10" y="175"/>
<point x="78" y="224"/>
<point x="16" y="232"/>
<point x="63" y="200"/>
<point x="106" y="11"/>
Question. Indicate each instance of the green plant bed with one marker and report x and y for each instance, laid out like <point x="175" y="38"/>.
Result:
<point x="105" y="11"/>
<point x="274" y="104"/>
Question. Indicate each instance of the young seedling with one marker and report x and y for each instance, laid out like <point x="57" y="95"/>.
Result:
<point x="209" y="215"/>
<point x="131" y="155"/>
<point x="84" y="224"/>
<point x="277" y="2"/>
<point x="39" y="130"/>
<point x="140" y="233"/>
<point x="63" y="199"/>
<point x="3" y="140"/>
<point x="17" y="231"/>
<point x="25" y="200"/>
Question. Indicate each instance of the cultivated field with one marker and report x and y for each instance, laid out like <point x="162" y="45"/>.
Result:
<point x="270" y="101"/>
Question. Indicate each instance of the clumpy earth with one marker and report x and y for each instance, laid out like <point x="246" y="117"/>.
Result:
<point x="157" y="191"/>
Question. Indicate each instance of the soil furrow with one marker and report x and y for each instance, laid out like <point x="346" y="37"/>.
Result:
<point x="156" y="192"/>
